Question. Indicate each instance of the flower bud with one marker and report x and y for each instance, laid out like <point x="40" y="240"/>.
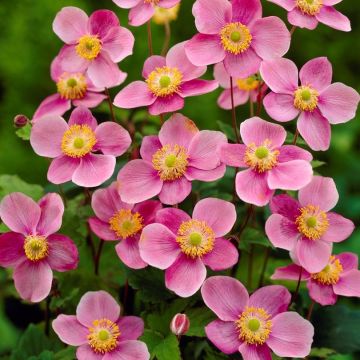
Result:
<point x="20" y="121"/>
<point x="180" y="324"/>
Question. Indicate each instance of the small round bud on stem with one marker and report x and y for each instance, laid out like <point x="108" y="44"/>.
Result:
<point x="180" y="324"/>
<point x="20" y="121"/>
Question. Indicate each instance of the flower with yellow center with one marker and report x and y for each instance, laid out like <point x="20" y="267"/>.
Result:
<point x="170" y="161"/>
<point x="330" y="275"/>
<point x="103" y="336"/>
<point x="306" y="98"/>
<point x="235" y="38"/>
<point x="164" y="16"/>
<point x="248" y="84"/>
<point x="125" y="223"/>
<point x="89" y="47"/>
<point x="254" y="326"/>
<point x="309" y="7"/>
<point x="312" y="222"/>
<point x="36" y="247"/>
<point x="164" y="81"/>
<point x="72" y="86"/>
<point x="78" y="141"/>
<point x="261" y="158"/>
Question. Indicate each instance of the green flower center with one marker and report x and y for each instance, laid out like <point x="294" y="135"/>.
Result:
<point x="195" y="239"/>
<point x="261" y="152"/>
<point x="79" y="143"/>
<point x="254" y="324"/>
<point x="164" y="81"/>
<point x="306" y="95"/>
<point x="170" y="160"/>
<point x="235" y="36"/>
<point x="103" y="335"/>
<point x="71" y="82"/>
<point x="311" y="221"/>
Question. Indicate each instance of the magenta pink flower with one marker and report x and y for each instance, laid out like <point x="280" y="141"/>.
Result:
<point x="339" y="277"/>
<point x="72" y="146"/>
<point x="171" y="161"/>
<point x="32" y="247"/>
<point x="307" y="14"/>
<point x="116" y="220"/>
<point x="72" y="88"/>
<point x="100" y="332"/>
<point x="306" y="227"/>
<point x="243" y="89"/>
<point x="235" y="33"/>
<point x="168" y="80"/>
<point x="143" y="10"/>
<point x="271" y="165"/>
<point x="183" y="245"/>
<point x="257" y="324"/>
<point x="94" y="44"/>
<point x="318" y="102"/>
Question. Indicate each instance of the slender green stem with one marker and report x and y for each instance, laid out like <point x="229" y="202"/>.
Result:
<point x="111" y="107"/>
<point x="292" y="30"/>
<point x="296" y="293"/>
<point x="259" y="99"/>
<point x="249" y="214"/>
<point x="167" y="38"/>
<point x="310" y="311"/>
<point x="98" y="256"/>
<point x="250" y="266"/>
<point x="233" y="112"/>
<point x="47" y="315"/>
<point x="62" y="194"/>
<point x="262" y="274"/>
<point x="150" y="44"/>
<point x="251" y="108"/>
<point x="296" y="135"/>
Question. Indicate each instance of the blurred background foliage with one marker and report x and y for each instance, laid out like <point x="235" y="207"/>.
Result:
<point x="28" y="46"/>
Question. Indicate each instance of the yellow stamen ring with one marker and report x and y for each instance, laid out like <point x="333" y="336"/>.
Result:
<point x="72" y="86"/>
<point x="88" y="47"/>
<point x="306" y="98"/>
<point x="36" y="247"/>
<point x="330" y="275"/>
<point x="103" y="336"/>
<point x="309" y="7"/>
<point x="261" y="158"/>
<point x="164" y="81"/>
<point x="125" y="223"/>
<point x="235" y="38"/>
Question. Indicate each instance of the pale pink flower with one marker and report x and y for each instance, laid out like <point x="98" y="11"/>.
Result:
<point x="33" y="248"/>
<point x="99" y="332"/>
<point x="183" y="245"/>
<point x="306" y="227"/>
<point x="270" y="164"/>
<point x="254" y="325"/>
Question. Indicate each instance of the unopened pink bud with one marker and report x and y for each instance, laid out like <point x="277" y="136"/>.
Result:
<point x="180" y="324"/>
<point x="20" y="121"/>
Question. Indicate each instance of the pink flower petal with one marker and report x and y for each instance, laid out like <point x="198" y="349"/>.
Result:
<point x="286" y="4"/>
<point x="126" y="4"/>
<point x="52" y="210"/>
<point x="246" y="11"/>
<point x="240" y="98"/>
<point x="11" y="249"/>
<point x="348" y="284"/>
<point x="82" y="116"/>
<point x="90" y="100"/>
<point x="53" y="105"/>
<point x="172" y="218"/>
<point x="322" y="294"/>
<point x="148" y="210"/>
<point x="134" y="95"/>
<point x="223" y="256"/>
<point x="71" y="61"/>
<point x="286" y="206"/>
<point x="339" y="228"/>
<point x="158" y="246"/>
<point x="131" y="327"/>
<point x="167" y="104"/>
<point x="62" y="169"/>
<point x="102" y="229"/>
<point x="101" y="22"/>
<point x="69" y="330"/>
<point x="151" y="63"/>
<point x="320" y="192"/>
<point x="135" y="175"/>
<point x="349" y="261"/>
<point x="297" y="18"/>
<point x="280" y="107"/>
<point x="205" y="175"/>
<point x="291" y="152"/>
<point x="128" y="350"/>
<point x="317" y="73"/>
<point x="63" y="253"/>
<point x="185" y="276"/>
<point x="141" y="13"/>
<point x="290" y="272"/>
<point x="175" y="192"/>
<point x="197" y="87"/>
<point x="149" y="145"/>
<point x="85" y="352"/>
<point x="242" y="65"/>
<point x="291" y="335"/>
<point x="225" y="296"/>
<point x="128" y="252"/>
<point x="255" y="352"/>
<point x="333" y="18"/>
<point x="233" y="154"/>
<point x="221" y="75"/>
<point x="331" y="2"/>
<point x="20" y="213"/>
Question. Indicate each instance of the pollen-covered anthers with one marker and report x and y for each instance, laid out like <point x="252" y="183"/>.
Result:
<point x="72" y="86"/>
<point x="261" y="158"/>
<point x="78" y="141"/>
<point x="248" y="84"/>
<point x="235" y="38"/>
<point x="309" y="7"/>
<point x="125" y="223"/>
<point x="152" y="2"/>
<point x="163" y="16"/>
<point x="306" y="98"/>
<point x="195" y="238"/>
<point x="36" y="247"/>
<point x="254" y="326"/>
<point x="103" y="336"/>
<point x="88" y="47"/>
<point x="170" y="161"/>
<point x="330" y="275"/>
<point x="164" y="81"/>
<point x="312" y="222"/>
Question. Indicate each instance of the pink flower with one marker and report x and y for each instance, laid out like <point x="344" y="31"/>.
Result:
<point x="243" y="89"/>
<point x="142" y="10"/>
<point x="257" y="324"/>
<point x="339" y="277"/>
<point x="100" y="332"/>
<point x="116" y="220"/>
<point x="307" y="14"/>
<point x="306" y="227"/>
<point x="318" y="102"/>
<point x="168" y="80"/>
<point x="183" y="245"/>
<point x="180" y="154"/>
<point x="72" y="146"/>
<point x="32" y="247"/>
<point x="271" y="165"/>
<point x="94" y="44"/>
<point x="235" y="33"/>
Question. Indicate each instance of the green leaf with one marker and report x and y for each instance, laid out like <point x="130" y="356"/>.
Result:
<point x="227" y="130"/>
<point x="199" y="318"/>
<point x="24" y="132"/>
<point x="152" y="339"/>
<point x="317" y="163"/>
<point x="168" y="349"/>
<point x="12" y="183"/>
<point x="253" y="236"/>
<point x="322" y="353"/>
<point x="66" y="354"/>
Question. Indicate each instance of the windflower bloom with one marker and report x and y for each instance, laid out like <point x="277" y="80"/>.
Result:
<point x="32" y="247"/>
<point x="306" y="227"/>
<point x="93" y="44"/>
<point x="168" y="80"/>
<point x="116" y="220"/>
<point x="270" y="164"/>
<point x="257" y="324"/>
<point x="180" y="154"/>
<point x="234" y="33"/>
<point x="142" y="10"/>
<point x="100" y="332"/>
<point x="308" y="13"/>
<point x="74" y="147"/>
<point x="165" y="16"/>
<point x="183" y="245"/>
<point x="339" y="277"/>
<point x="318" y="101"/>
<point x="72" y="88"/>
<point x="243" y="89"/>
